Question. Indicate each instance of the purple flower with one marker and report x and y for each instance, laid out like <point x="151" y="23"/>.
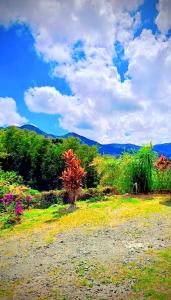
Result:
<point x="19" y="209"/>
<point x="6" y="200"/>
<point x="28" y="198"/>
<point x="9" y="199"/>
<point x="3" y="200"/>
<point x="9" y="196"/>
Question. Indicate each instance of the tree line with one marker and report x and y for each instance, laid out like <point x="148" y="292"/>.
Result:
<point x="39" y="160"/>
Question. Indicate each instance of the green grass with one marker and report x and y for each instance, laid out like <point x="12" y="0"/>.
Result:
<point x="154" y="281"/>
<point x="114" y="210"/>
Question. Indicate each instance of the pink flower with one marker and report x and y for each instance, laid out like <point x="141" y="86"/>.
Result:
<point x="9" y="199"/>
<point x="28" y="198"/>
<point x="19" y="209"/>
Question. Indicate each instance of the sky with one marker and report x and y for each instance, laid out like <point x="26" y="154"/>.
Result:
<point x="99" y="68"/>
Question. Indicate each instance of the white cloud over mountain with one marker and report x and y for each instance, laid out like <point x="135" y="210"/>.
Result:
<point x="136" y="110"/>
<point x="9" y="114"/>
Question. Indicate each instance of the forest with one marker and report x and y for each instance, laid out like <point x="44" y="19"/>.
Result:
<point x="38" y="160"/>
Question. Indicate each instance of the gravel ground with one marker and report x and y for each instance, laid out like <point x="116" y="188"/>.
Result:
<point x="35" y="270"/>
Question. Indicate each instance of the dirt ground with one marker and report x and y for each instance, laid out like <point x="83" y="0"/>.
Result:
<point x="78" y="264"/>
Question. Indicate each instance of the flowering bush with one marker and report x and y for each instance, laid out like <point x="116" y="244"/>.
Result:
<point x="14" y="205"/>
<point x="14" y="196"/>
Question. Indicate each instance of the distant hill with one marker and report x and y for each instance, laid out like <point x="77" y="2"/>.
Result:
<point x="112" y="149"/>
<point x="117" y="149"/>
<point x="36" y="129"/>
<point x="164" y="149"/>
<point x="83" y="139"/>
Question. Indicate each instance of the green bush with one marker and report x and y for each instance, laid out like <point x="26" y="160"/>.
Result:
<point x="49" y="198"/>
<point x="46" y="199"/>
<point x="161" y="180"/>
<point x="115" y="173"/>
<point x="10" y="177"/>
<point x="9" y="220"/>
<point x="97" y="192"/>
<point x="121" y="173"/>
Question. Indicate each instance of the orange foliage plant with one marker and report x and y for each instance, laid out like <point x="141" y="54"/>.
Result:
<point x="162" y="163"/>
<point x="72" y="176"/>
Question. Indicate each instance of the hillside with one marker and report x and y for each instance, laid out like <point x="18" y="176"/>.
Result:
<point x="112" y="149"/>
<point x="36" y="129"/>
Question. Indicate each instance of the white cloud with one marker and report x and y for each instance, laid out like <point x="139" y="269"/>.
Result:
<point x="57" y="24"/>
<point x="9" y="114"/>
<point x="163" y="19"/>
<point x="136" y="110"/>
<point x="150" y="68"/>
<point x="150" y="65"/>
<point x="48" y="100"/>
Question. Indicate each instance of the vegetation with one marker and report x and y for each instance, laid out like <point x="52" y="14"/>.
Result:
<point x="39" y="160"/>
<point x="162" y="174"/>
<point x="72" y="176"/>
<point x="91" y="212"/>
<point x="14" y="196"/>
<point x="28" y="159"/>
<point x="33" y="172"/>
<point x="123" y="172"/>
<point x="110" y="210"/>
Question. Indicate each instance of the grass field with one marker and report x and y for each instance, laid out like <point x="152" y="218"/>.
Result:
<point x="117" y="247"/>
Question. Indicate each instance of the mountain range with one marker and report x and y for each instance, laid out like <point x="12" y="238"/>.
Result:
<point x="112" y="149"/>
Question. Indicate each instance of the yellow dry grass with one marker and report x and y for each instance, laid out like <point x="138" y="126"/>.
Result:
<point x="112" y="211"/>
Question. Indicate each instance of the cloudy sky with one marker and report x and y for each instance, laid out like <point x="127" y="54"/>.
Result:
<point x="100" y="68"/>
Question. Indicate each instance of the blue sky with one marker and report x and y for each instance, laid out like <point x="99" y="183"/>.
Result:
<point x="100" y="68"/>
<point x="21" y="68"/>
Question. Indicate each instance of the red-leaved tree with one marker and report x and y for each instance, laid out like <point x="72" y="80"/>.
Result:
<point x="162" y="163"/>
<point x="72" y="176"/>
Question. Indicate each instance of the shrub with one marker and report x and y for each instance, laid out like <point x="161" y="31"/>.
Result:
<point x="72" y="176"/>
<point x="162" y="163"/>
<point x="10" y="177"/>
<point x="121" y="173"/>
<point x="4" y="189"/>
<point x="14" y="205"/>
<point x="13" y="201"/>
<point x="88" y="193"/>
<point x="115" y="173"/>
<point x="8" y="181"/>
<point x="162" y="180"/>
<point x="46" y="199"/>
<point x="98" y="192"/>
